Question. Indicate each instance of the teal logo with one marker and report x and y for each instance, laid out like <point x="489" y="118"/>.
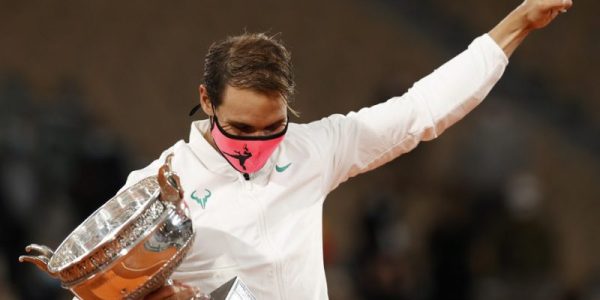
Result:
<point x="202" y="201"/>
<point x="281" y="169"/>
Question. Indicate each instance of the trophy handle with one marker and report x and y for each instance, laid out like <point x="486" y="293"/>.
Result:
<point x="41" y="260"/>
<point x="170" y="186"/>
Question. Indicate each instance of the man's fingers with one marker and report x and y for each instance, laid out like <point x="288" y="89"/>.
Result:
<point x="554" y="7"/>
<point x="183" y="293"/>
<point x="162" y="293"/>
<point x="565" y="5"/>
<point x="174" y="291"/>
<point x="560" y="5"/>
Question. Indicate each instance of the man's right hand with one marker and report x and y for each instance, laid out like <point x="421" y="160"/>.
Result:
<point x="175" y="291"/>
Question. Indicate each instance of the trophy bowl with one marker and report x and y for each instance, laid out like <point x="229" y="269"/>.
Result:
<point x="127" y="248"/>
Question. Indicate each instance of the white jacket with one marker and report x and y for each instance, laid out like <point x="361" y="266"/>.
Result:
<point x="268" y="230"/>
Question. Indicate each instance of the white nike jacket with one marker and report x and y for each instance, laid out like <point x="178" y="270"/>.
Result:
<point x="268" y="230"/>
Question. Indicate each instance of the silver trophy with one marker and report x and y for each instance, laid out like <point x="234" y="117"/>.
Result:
<point x="128" y="247"/>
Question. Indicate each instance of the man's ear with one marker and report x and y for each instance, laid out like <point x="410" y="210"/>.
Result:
<point x="205" y="101"/>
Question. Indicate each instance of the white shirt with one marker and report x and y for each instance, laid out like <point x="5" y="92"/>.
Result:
<point x="268" y="230"/>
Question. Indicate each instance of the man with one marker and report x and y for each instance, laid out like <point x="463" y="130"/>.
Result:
<point x="255" y="183"/>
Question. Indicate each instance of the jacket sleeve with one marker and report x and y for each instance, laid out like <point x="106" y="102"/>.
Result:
<point x="361" y="141"/>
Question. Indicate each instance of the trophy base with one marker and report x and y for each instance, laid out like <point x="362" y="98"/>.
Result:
<point x="234" y="289"/>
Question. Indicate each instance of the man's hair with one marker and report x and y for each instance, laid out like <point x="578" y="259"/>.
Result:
<point x="251" y="61"/>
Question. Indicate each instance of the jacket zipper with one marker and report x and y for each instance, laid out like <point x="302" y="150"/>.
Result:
<point x="248" y="185"/>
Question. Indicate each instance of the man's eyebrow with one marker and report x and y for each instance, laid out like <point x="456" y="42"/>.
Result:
<point x="239" y="124"/>
<point x="244" y="125"/>
<point x="278" y="122"/>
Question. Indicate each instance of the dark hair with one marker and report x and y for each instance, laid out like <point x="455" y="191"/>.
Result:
<point x="251" y="60"/>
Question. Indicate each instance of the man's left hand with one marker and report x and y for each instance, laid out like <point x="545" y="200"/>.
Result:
<point x="539" y="13"/>
<point x="530" y="15"/>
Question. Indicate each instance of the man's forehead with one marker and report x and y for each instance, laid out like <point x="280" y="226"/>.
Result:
<point x="232" y="92"/>
<point x="247" y="99"/>
<point x="251" y="107"/>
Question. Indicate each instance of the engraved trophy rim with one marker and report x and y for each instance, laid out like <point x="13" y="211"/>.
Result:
<point x="128" y="246"/>
<point x="59" y="263"/>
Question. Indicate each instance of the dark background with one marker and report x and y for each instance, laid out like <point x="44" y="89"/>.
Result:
<point x="504" y="205"/>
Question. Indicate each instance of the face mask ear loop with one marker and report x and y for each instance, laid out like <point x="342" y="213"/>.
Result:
<point x="213" y="117"/>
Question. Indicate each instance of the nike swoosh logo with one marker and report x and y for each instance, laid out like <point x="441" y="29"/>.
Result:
<point x="281" y="169"/>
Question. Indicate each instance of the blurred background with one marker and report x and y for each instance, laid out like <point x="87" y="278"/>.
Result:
<point x="504" y="205"/>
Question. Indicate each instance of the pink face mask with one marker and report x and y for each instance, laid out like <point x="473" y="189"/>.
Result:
<point x="247" y="154"/>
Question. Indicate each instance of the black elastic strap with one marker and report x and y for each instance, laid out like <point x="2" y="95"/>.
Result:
<point x="194" y="109"/>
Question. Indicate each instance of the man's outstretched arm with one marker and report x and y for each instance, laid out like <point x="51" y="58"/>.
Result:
<point x="382" y="132"/>
<point x="530" y="15"/>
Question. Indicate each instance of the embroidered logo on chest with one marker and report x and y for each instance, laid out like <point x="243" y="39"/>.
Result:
<point x="201" y="199"/>
<point x="281" y="169"/>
